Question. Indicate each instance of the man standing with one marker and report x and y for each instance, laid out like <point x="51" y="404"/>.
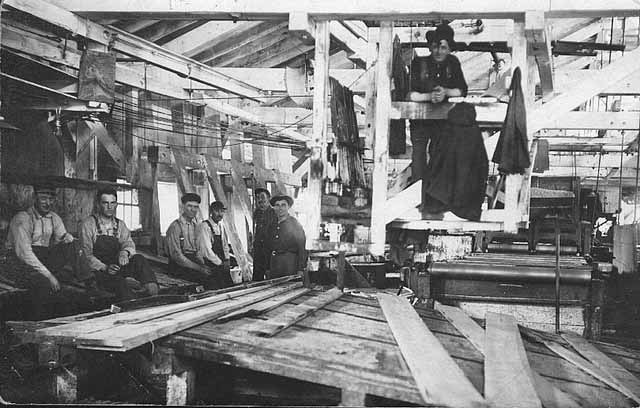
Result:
<point x="288" y="255"/>
<point x="265" y="221"/>
<point x="41" y="253"/>
<point x="107" y="242"/>
<point x="213" y="247"/>
<point x="182" y="245"/>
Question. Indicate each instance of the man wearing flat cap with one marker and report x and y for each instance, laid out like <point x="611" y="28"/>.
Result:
<point x="44" y="253"/>
<point x="265" y="221"/>
<point x="213" y="246"/>
<point x="288" y="253"/>
<point x="182" y="245"/>
<point x="107" y="242"/>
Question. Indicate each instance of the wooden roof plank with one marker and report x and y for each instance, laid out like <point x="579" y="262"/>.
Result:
<point x="131" y="45"/>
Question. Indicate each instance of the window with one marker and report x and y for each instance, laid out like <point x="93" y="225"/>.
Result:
<point x="168" y="197"/>
<point x="128" y="208"/>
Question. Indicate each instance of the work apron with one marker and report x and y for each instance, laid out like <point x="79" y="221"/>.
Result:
<point x="221" y="272"/>
<point x="107" y="250"/>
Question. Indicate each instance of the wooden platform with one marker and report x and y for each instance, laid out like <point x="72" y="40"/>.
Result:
<point x="349" y="345"/>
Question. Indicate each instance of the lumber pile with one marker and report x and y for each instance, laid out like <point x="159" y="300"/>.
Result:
<point x="129" y="329"/>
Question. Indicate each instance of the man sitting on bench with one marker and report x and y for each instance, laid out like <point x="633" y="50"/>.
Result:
<point x="107" y="242"/>
<point x="42" y="254"/>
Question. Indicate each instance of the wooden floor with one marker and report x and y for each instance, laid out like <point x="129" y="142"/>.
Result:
<point x="349" y="345"/>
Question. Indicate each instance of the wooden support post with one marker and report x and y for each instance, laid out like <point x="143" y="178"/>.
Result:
<point x="239" y="249"/>
<point x="540" y="49"/>
<point x="241" y="192"/>
<point x="65" y="371"/>
<point x="370" y="96"/>
<point x="341" y="270"/>
<point x="156" y="233"/>
<point x="174" y="376"/>
<point x="381" y="139"/>
<point x="131" y="132"/>
<point x="319" y="140"/>
<point x="593" y="321"/>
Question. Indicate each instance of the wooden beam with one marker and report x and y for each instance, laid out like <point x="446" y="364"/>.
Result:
<point x="250" y="53"/>
<point x="286" y="319"/>
<point x="245" y="38"/>
<point x="340" y="10"/>
<point x="439" y="379"/>
<point x="356" y="47"/>
<point x="299" y="117"/>
<point x="137" y="75"/>
<point x="493" y="113"/>
<point x="583" y="33"/>
<point x="319" y="141"/>
<point x="302" y="27"/>
<point x="508" y="381"/>
<point x="165" y="31"/>
<point x="590" y="160"/>
<point x="381" y="139"/>
<point x="238" y="247"/>
<point x="587" y="366"/>
<point x="133" y="46"/>
<point x="540" y="48"/>
<point x="604" y="362"/>
<point x="132" y="26"/>
<point x="241" y="192"/>
<point x="567" y="79"/>
<point x="595" y="120"/>
<point x="598" y="82"/>
<point x="405" y="200"/>
<point x="201" y="38"/>
<point x="292" y="48"/>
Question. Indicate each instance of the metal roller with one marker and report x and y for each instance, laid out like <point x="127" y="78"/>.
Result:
<point x="524" y="248"/>
<point x="507" y="273"/>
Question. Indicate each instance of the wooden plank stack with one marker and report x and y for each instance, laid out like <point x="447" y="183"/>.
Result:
<point x="127" y="330"/>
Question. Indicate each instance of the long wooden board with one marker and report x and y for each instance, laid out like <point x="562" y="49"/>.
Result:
<point x="264" y="306"/>
<point x="602" y="361"/>
<point x="587" y="367"/>
<point x="124" y="331"/>
<point x="72" y="330"/>
<point x="129" y="336"/>
<point x="550" y="395"/>
<point x="508" y="381"/>
<point x="438" y="377"/>
<point x="292" y="316"/>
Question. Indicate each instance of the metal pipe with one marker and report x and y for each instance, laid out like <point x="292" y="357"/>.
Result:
<point x="507" y="273"/>
<point x="523" y="248"/>
<point x="557" y="276"/>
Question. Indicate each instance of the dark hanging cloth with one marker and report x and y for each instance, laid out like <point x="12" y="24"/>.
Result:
<point x="397" y="127"/>
<point x="512" y="150"/>
<point x="350" y="167"/>
<point x="456" y="175"/>
<point x="541" y="161"/>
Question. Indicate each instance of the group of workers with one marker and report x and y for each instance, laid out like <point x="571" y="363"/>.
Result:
<point x="40" y="253"/>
